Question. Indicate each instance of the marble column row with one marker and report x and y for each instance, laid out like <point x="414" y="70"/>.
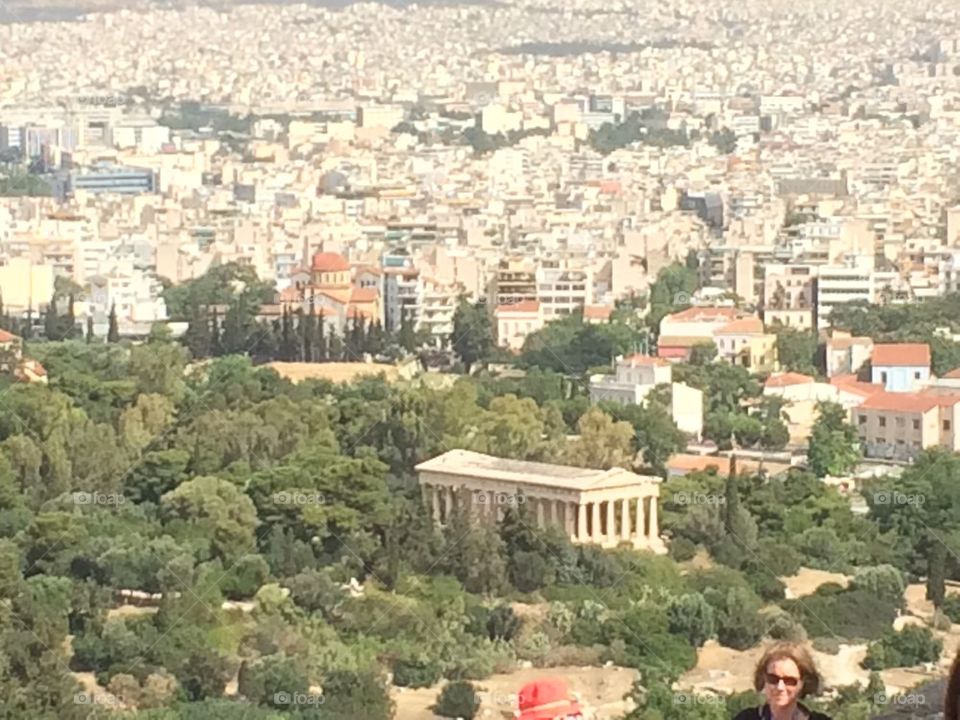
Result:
<point x="608" y="522"/>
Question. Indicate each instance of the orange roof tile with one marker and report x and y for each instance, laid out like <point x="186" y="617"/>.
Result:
<point x="6" y="337"/>
<point x="638" y="360"/>
<point x="364" y="295"/>
<point x="597" y="312"/>
<point x="329" y="262"/>
<point x="901" y="354"/>
<point x="702" y="314"/>
<point x="900" y="402"/>
<point x="743" y="326"/>
<point x="953" y="374"/>
<point x="685" y="342"/>
<point x="787" y="379"/>
<point x="849" y="383"/>
<point x="526" y="306"/>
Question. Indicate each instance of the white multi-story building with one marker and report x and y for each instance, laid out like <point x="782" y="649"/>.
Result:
<point x="136" y="297"/>
<point x="563" y="292"/>
<point x="636" y="376"/>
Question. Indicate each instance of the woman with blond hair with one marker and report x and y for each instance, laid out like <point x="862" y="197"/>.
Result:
<point x="785" y="674"/>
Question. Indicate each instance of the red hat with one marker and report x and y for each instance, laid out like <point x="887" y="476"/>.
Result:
<point x="547" y="700"/>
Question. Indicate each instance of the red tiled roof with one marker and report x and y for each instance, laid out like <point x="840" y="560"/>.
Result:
<point x="953" y="374"/>
<point x="702" y="314"/>
<point x="849" y="383"/>
<point x="901" y="354"/>
<point x="900" y="402"/>
<point x="743" y="326"/>
<point x="597" y="312"/>
<point x="638" y="360"/>
<point x="6" y="337"/>
<point x="363" y="295"/>
<point x="683" y="342"/>
<point x="787" y="379"/>
<point x="527" y="306"/>
<point x="329" y="262"/>
<point x="358" y="312"/>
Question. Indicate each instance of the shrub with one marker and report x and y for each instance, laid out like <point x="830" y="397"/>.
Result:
<point x="502" y="623"/>
<point x="314" y="591"/>
<point x="951" y="607"/>
<point x="533" y="646"/>
<point x="243" y="580"/>
<point x="574" y="656"/>
<point x="272" y="678"/>
<point x="682" y="549"/>
<point x="828" y="645"/>
<point x="849" y="614"/>
<point x="415" y="672"/>
<point x="738" y="621"/>
<point x="940" y="621"/>
<point x="913" y="645"/>
<point x="692" y="617"/>
<point x="457" y="700"/>
<point x="781" y="626"/>
<point x="884" y="581"/>
<point x="766" y="585"/>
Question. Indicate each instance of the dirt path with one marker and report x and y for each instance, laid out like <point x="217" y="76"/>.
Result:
<point x="601" y="690"/>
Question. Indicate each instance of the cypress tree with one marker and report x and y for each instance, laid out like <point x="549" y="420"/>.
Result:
<point x="936" y="573"/>
<point x="51" y="329"/>
<point x="113" y="333"/>
<point x="70" y="323"/>
<point x="323" y="351"/>
<point x="27" y="330"/>
<point x="89" y="329"/>
<point x="731" y="498"/>
<point x="216" y="345"/>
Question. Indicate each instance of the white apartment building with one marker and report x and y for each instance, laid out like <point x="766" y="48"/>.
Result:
<point x="136" y="297"/>
<point x="563" y="292"/>
<point x="636" y="376"/>
<point x="437" y="306"/>
<point x="403" y="296"/>
<point x="515" y="322"/>
<point x="788" y="295"/>
<point x="837" y="285"/>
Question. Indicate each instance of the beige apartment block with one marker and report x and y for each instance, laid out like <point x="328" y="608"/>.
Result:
<point x="599" y="507"/>
<point x="25" y="285"/>
<point x="899" y="426"/>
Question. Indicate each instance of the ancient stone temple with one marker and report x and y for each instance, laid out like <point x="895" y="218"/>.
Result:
<point x="601" y="507"/>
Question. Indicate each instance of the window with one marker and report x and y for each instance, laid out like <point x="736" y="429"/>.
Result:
<point x="916" y="424"/>
<point x="946" y="424"/>
<point x="899" y="422"/>
<point x="883" y="378"/>
<point x="916" y="375"/>
<point x="863" y="419"/>
<point x="883" y="422"/>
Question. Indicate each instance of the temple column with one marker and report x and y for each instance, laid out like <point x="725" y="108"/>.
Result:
<point x="570" y="519"/>
<point x="612" y="521"/>
<point x="447" y="503"/>
<point x="640" y="532"/>
<point x="581" y="521"/>
<point x="435" y="502"/>
<point x="540" y="513"/>
<point x="654" y="525"/>
<point x="595" y="535"/>
<point x="554" y="512"/>
<point x="625" y="511"/>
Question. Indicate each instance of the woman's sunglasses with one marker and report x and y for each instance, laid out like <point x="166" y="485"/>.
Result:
<point x="774" y="680"/>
